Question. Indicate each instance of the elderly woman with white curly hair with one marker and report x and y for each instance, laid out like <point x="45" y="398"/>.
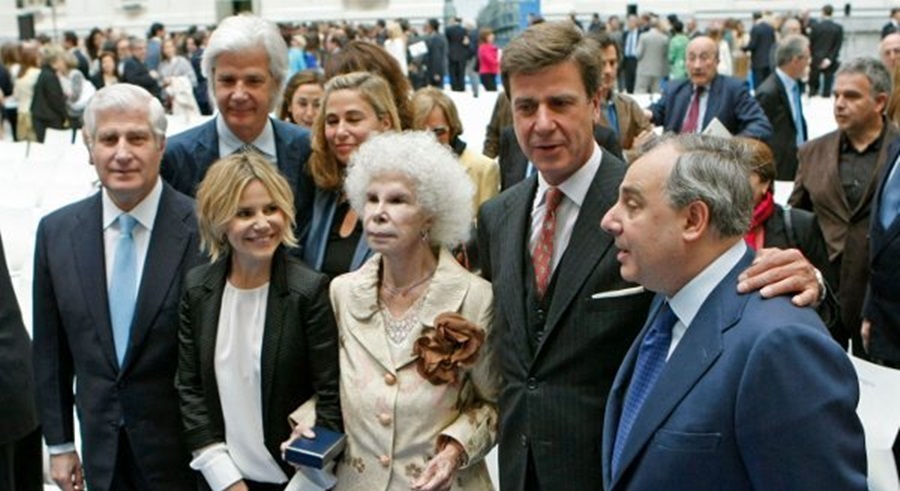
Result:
<point x="418" y="381"/>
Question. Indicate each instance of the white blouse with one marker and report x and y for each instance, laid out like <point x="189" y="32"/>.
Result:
<point x="242" y="319"/>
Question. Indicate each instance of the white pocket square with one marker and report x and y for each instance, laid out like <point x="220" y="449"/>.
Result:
<point x="618" y="293"/>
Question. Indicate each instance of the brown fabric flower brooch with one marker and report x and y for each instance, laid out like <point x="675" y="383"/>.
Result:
<point x="442" y="349"/>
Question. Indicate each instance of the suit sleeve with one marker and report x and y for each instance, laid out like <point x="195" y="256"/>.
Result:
<point x="322" y="337"/>
<point x="771" y="415"/>
<point x="53" y="365"/>
<point x="751" y="118"/>
<point x="484" y="243"/>
<point x="658" y="109"/>
<point x="475" y="428"/>
<point x="800" y="196"/>
<point x="195" y="417"/>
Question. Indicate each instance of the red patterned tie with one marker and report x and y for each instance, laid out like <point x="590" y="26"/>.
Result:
<point x="693" y="114"/>
<point x="542" y="258"/>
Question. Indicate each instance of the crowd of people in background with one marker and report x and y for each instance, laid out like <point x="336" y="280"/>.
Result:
<point x="328" y="241"/>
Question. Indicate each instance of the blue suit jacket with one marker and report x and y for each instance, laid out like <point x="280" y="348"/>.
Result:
<point x="755" y="396"/>
<point x="316" y="240"/>
<point x="73" y="339"/>
<point x="729" y="100"/>
<point x="882" y="303"/>
<point x="190" y="153"/>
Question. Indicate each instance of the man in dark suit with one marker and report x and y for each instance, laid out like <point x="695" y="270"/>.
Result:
<point x="893" y="24"/>
<point x="458" y="53"/>
<point x="245" y="83"/>
<point x="707" y="397"/>
<point x="134" y="71"/>
<point x="20" y="436"/>
<point x="70" y="43"/>
<point x="780" y="97"/>
<point x="837" y="176"/>
<point x="762" y="41"/>
<point x="881" y="310"/>
<point x="563" y="314"/>
<point x="825" y="39"/>
<point x="630" y="38"/>
<point x="436" y="57"/>
<point x="514" y="165"/>
<point x="690" y="105"/>
<point x="107" y="284"/>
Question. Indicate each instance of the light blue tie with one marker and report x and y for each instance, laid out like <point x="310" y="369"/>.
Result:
<point x="651" y="360"/>
<point x="798" y="115"/>
<point x="123" y="286"/>
<point x="890" y="198"/>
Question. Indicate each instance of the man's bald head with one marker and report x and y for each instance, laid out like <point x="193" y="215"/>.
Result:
<point x="702" y="58"/>
<point x="890" y="50"/>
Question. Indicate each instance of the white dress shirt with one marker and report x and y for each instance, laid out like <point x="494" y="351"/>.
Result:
<point x="574" y="190"/>
<point x="238" y="356"/>
<point x="145" y="214"/>
<point x="230" y="143"/>
<point x="687" y="302"/>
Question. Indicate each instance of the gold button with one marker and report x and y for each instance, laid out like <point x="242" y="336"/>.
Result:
<point x="385" y="460"/>
<point x="390" y="379"/>
<point x="384" y="419"/>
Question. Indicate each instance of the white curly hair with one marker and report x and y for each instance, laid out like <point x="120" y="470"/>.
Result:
<point x="441" y="185"/>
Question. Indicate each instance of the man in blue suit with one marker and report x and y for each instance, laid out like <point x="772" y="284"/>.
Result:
<point x="690" y="105"/>
<point x="881" y="310"/>
<point x="107" y="284"/>
<point x="246" y="63"/>
<point x="720" y="390"/>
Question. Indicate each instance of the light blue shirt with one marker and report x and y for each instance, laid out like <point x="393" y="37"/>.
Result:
<point x="230" y="143"/>
<point x="789" y="84"/>
<point x="687" y="302"/>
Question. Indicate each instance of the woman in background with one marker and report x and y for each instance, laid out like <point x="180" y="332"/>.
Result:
<point x="434" y="111"/>
<point x="488" y="59"/>
<point x="302" y="98"/>
<point x="257" y="336"/>
<point x="23" y="91"/>
<point x="361" y="56"/>
<point x="355" y="106"/>
<point x="176" y="77"/>
<point x="109" y="73"/>
<point x="395" y="44"/>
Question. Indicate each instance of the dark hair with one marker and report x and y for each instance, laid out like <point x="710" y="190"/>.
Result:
<point x="434" y="24"/>
<point x="828" y="10"/>
<point x="362" y="56"/>
<point x="605" y="41"/>
<point x="303" y="77"/>
<point x="155" y="28"/>
<point x="70" y="37"/>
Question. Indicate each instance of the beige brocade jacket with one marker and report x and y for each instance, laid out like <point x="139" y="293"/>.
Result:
<point x="392" y="415"/>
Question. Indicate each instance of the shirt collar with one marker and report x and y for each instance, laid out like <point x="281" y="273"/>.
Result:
<point x="230" y="143"/>
<point x="576" y="186"/>
<point x="687" y="302"/>
<point x="786" y="79"/>
<point x="144" y="212"/>
<point x="875" y="146"/>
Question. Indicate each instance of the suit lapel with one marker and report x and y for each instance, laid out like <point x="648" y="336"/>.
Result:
<point x="88" y="248"/>
<point x="700" y="347"/>
<point x="368" y="326"/>
<point x="682" y="99"/>
<point x="206" y="146"/>
<point x="273" y="332"/>
<point x="893" y="229"/>
<point x="713" y="101"/>
<point x="588" y="244"/>
<point x="786" y="104"/>
<point x="513" y="235"/>
<point x="863" y="208"/>
<point x="165" y="254"/>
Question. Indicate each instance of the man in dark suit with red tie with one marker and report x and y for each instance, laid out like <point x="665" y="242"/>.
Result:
<point x="689" y="106"/>
<point x="563" y="313"/>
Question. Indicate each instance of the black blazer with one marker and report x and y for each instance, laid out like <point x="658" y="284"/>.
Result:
<point x="135" y="72"/>
<point x="73" y="339"/>
<point x="18" y="415"/>
<point x="552" y="401"/>
<point x="49" y="102"/>
<point x="772" y="97"/>
<point x="514" y="164"/>
<point x="825" y="40"/>
<point x="299" y="353"/>
<point x="762" y="42"/>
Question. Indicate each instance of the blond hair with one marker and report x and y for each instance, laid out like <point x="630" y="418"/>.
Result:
<point x="323" y="166"/>
<point x="220" y="193"/>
